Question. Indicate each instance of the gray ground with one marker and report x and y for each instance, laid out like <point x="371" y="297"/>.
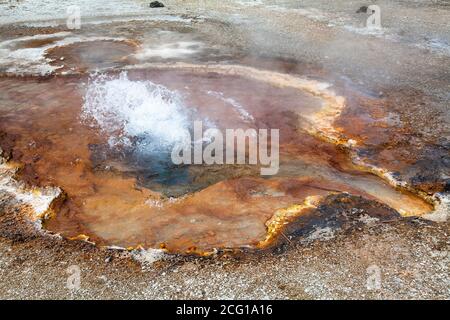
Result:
<point x="398" y="259"/>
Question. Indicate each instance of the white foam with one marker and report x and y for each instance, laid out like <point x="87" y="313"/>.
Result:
<point x="140" y="111"/>
<point x="244" y="114"/>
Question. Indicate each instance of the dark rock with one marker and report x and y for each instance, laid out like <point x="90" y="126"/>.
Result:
<point x="362" y="9"/>
<point x="156" y="4"/>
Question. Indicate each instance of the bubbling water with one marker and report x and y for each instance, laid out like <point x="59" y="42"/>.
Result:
<point x="142" y="115"/>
